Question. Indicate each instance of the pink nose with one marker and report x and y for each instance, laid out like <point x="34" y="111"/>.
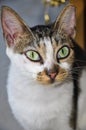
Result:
<point x="52" y="75"/>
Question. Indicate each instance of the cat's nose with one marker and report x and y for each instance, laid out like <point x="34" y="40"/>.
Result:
<point x="52" y="75"/>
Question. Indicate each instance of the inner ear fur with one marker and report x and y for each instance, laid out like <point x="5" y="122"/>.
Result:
<point x="13" y="26"/>
<point x="66" y="21"/>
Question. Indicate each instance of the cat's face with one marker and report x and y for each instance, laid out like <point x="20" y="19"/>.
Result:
<point x="42" y="53"/>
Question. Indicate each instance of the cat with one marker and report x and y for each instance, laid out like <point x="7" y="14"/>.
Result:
<point x="46" y="79"/>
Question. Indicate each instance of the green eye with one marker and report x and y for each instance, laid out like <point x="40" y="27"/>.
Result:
<point x="63" y="52"/>
<point x="33" y="55"/>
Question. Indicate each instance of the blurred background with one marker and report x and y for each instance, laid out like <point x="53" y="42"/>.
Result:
<point x="32" y="11"/>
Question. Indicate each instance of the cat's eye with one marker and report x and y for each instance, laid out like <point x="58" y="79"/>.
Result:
<point x="63" y="52"/>
<point x="33" y="55"/>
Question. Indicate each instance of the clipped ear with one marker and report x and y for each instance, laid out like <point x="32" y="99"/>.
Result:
<point x="66" y="21"/>
<point x="13" y="26"/>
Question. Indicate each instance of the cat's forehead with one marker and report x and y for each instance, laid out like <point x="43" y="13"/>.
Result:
<point x="46" y="32"/>
<point x="44" y="35"/>
<point x="41" y="31"/>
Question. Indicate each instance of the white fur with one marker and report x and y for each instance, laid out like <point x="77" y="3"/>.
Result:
<point x="36" y="106"/>
<point x="49" y="54"/>
<point x="65" y="65"/>
<point x="39" y="107"/>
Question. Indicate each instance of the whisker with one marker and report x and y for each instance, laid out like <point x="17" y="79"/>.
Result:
<point x="72" y="78"/>
<point x="80" y="60"/>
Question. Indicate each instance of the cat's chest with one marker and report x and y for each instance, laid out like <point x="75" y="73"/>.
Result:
<point x="40" y="107"/>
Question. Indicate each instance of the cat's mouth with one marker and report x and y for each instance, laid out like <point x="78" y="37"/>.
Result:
<point x="54" y="79"/>
<point x="51" y="83"/>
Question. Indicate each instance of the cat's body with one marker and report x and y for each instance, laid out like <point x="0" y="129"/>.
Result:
<point x="44" y="108"/>
<point x="42" y="90"/>
<point x="38" y="107"/>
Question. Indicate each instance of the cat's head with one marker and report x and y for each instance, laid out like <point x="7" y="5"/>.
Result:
<point x="43" y="53"/>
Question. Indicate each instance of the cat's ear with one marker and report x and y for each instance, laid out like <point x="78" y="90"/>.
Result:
<point x="66" y="21"/>
<point x="13" y="26"/>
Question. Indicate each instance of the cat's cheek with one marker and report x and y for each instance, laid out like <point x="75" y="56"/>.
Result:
<point x="43" y="80"/>
<point x="32" y="67"/>
<point x="34" y="76"/>
<point x="65" y="65"/>
<point x="9" y="53"/>
<point x="61" y="77"/>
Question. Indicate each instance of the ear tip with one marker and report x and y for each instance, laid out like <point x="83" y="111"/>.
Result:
<point x="71" y="6"/>
<point x="5" y="8"/>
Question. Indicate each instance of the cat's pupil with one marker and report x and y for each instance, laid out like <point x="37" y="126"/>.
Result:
<point x="32" y="55"/>
<point x="63" y="52"/>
